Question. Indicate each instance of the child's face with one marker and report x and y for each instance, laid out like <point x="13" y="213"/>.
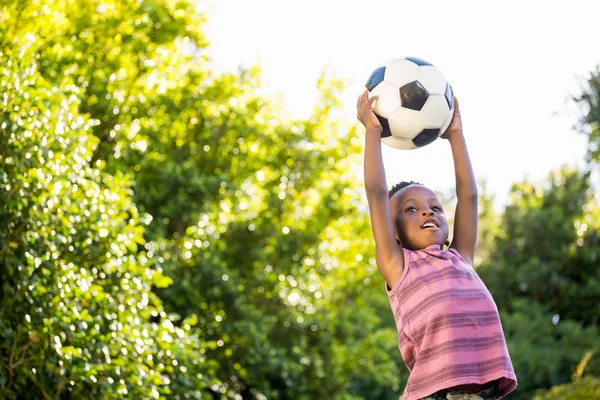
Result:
<point x="418" y="217"/>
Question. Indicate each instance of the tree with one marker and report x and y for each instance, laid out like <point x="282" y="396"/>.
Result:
<point x="542" y="271"/>
<point x="238" y="205"/>
<point x="75" y="294"/>
<point x="589" y="101"/>
<point x="581" y="388"/>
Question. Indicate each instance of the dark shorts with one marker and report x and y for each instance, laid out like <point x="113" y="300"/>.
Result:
<point x="447" y="394"/>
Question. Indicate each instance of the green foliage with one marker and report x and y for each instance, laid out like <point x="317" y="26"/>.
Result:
<point x="134" y="178"/>
<point x="589" y="101"/>
<point x="253" y="267"/>
<point x="579" y="389"/>
<point x="584" y="389"/>
<point x="75" y="292"/>
<point x="542" y="271"/>
<point x="76" y="299"/>
<point x="548" y="247"/>
<point x="544" y="353"/>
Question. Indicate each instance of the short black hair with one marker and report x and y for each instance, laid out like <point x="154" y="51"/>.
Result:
<point x="401" y="185"/>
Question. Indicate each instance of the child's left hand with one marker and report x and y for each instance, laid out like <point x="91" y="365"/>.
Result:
<point x="455" y="127"/>
<point x="365" y="113"/>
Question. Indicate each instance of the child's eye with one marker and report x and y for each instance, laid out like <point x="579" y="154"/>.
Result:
<point x="411" y="209"/>
<point x="436" y="208"/>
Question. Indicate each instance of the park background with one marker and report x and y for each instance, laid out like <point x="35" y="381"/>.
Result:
<point x="174" y="225"/>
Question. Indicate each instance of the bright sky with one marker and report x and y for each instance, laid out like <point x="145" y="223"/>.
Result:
<point x="513" y="66"/>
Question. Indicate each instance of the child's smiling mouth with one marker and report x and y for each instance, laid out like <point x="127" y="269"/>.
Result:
<point x="430" y="223"/>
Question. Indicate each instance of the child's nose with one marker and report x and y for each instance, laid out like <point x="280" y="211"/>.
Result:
<point x="425" y="212"/>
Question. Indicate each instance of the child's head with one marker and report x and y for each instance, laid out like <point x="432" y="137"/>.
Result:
<point x="418" y="216"/>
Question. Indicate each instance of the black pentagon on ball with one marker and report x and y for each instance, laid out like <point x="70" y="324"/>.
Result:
<point x="425" y="137"/>
<point x="413" y="95"/>
<point x="375" y="79"/>
<point x="449" y="95"/>
<point x="385" y="125"/>
<point x="418" y="61"/>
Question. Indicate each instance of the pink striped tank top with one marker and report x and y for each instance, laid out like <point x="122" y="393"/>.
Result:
<point x="449" y="330"/>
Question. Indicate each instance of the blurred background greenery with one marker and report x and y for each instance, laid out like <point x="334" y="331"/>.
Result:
<point x="167" y="231"/>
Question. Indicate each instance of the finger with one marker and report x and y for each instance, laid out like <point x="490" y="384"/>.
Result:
<point x="366" y="95"/>
<point x="371" y="101"/>
<point x="360" y="99"/>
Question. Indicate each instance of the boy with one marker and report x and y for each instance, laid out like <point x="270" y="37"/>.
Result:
<point x="449" y="330"/>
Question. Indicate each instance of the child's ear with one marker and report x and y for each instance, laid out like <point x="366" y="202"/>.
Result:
<point x="447" y="243"/>
<point x="398" y="241"/>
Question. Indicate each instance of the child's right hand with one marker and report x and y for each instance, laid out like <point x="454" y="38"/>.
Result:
<point x="365" y="113"/>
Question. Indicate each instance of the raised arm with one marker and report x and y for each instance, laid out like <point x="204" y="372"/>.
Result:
<point x="389" y="257"/>
<point x="465" y="218"/>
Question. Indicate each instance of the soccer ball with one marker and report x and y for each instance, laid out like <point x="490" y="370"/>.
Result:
<point x="415" y="104"/>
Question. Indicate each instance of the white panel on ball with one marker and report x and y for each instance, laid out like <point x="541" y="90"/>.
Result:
<point x="447" y="123"/>
<point x="435" y="112"/>
<point x="401" y="72"/>
<point x="388" y="101"/>
<point x="405" y="123"/>
<point x="398" y="143"/>
<point x="432" y="79"/>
